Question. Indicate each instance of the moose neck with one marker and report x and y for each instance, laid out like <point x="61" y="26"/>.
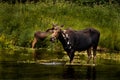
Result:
<point x="64" y="40"/>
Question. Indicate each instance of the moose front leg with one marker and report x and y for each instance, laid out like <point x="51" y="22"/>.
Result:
<point x="34" y="42"/>
<point x="71" y="55"/>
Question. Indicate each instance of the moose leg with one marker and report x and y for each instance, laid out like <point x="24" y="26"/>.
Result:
<point x="94" y="54"/>
<point x="71" y="56"/>
<point x="89" y="55"/>
<point x="34" y="42"/>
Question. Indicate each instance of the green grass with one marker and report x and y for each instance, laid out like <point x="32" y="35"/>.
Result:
<point x="19" y="22"/>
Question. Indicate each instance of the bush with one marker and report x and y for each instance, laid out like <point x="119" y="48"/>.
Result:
<point x="19" y="22"/>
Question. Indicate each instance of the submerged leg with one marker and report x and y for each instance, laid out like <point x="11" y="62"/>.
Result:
<point x="89" y="55"/>
<point x="34" y="42"/>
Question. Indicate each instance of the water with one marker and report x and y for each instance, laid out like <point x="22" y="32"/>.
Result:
<point x="26" y="65"/>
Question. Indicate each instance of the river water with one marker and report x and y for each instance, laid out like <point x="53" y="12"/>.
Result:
<point x="31" y="65"/>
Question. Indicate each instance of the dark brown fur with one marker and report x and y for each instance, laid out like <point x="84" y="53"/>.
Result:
<point x="77" y="41"/>
<point x="40" y="35"/>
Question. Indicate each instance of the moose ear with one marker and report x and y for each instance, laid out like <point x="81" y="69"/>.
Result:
<point x="49" y="30"/>
<point x="54" y="25"/>
<point x="62" y="25"/>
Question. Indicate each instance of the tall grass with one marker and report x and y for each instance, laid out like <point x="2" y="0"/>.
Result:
<point x="19" y="22"/>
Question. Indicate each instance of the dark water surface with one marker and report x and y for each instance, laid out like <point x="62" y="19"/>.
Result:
<point x="22" y="65"/>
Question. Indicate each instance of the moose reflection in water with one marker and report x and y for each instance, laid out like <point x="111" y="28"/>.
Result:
<point x="70" y="73"/>
<point x="91" y="73"/>
<point x="77" y="40"/>
<point x="40" y="36"/>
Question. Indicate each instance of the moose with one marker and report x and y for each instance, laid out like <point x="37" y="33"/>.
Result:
<point x="77" y="40"/>
<point x="38" y="35"/>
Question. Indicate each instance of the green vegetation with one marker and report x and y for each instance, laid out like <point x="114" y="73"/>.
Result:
<point x="19" y="22"/>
